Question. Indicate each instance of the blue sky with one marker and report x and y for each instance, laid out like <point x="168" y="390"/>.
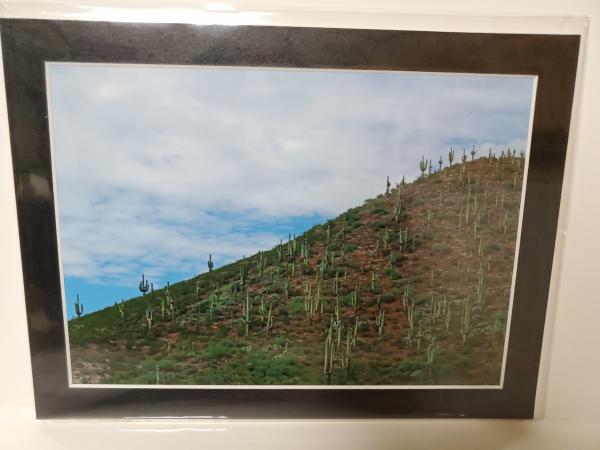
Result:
<point x="159" y="166"/>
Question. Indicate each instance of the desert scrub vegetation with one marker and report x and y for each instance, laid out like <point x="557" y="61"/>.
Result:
<point x="411" y="287"/>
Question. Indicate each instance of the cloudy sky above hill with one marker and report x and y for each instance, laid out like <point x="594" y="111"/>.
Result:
<point x="157" y="167"/>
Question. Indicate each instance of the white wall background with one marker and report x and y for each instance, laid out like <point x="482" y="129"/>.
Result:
<point x="568" y="407"/>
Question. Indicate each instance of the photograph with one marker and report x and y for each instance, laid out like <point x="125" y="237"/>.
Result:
<point x="281" y="227"/>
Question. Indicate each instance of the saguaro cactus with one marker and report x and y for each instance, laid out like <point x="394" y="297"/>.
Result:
<point x="269" y="324"/>
<point x="172" y="310"/>
<point x="419" y="336"/>
<point x="451" y="156"/>
<point x="329" y="353"/>
<point x="294" y="247"/>
<point x="423" y="166"/>
<point x="286" y="287"/>
<point x="356" y="297"/>
<point x="243" y="271"/>
<point x="465" y="320"/>
<point x="307" y="246"/>
<point x="211" y="308"/>
<point x="144" y="286"/>
<point x="480" y="285"/>
<point x="210" y="263"/>
<point x="398" y="205"/>
<point x="317" y="305"/>
<point x="345" y="356"/>
<point x="380" y="321"/>
<point x="280" y="251"/>
<point x="78" y="307"/>
<point x="308" y="299"/>
<point x="259" y="263"/>
<point x="386" y="239"/>
<point x="149" y="318"/>
<point x="431" y="355"/>
<point x="387" y="185"/>
<point x="247" y="313"/>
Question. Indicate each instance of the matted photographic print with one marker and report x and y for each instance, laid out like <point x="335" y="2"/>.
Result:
<point x="279" y="222"/>
<point x="287" y="227"/>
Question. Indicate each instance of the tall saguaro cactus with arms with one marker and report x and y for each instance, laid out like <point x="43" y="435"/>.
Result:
<point x="423" y="166"/>
<point x="78" y="307"/>
<point x="144" y="285"/>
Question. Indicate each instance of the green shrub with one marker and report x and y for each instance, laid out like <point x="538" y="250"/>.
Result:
<point x="203" y="306"/>
<point x="389" y="297"/>
<point x="217" y="349"/>
<point x="166" y="364"/>
<point x="298" y="305"/>
<point x="492" y="247"/>
<point x="349" y="248"/>
<point x="443" y="249"/>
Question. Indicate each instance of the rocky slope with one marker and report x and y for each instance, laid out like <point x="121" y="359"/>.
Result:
<point x="412" y="287"/>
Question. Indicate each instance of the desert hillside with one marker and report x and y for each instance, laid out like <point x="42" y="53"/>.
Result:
<point x="412" y="287"/>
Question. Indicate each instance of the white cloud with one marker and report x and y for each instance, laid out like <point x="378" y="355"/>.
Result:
<point x="157" y="167"/>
